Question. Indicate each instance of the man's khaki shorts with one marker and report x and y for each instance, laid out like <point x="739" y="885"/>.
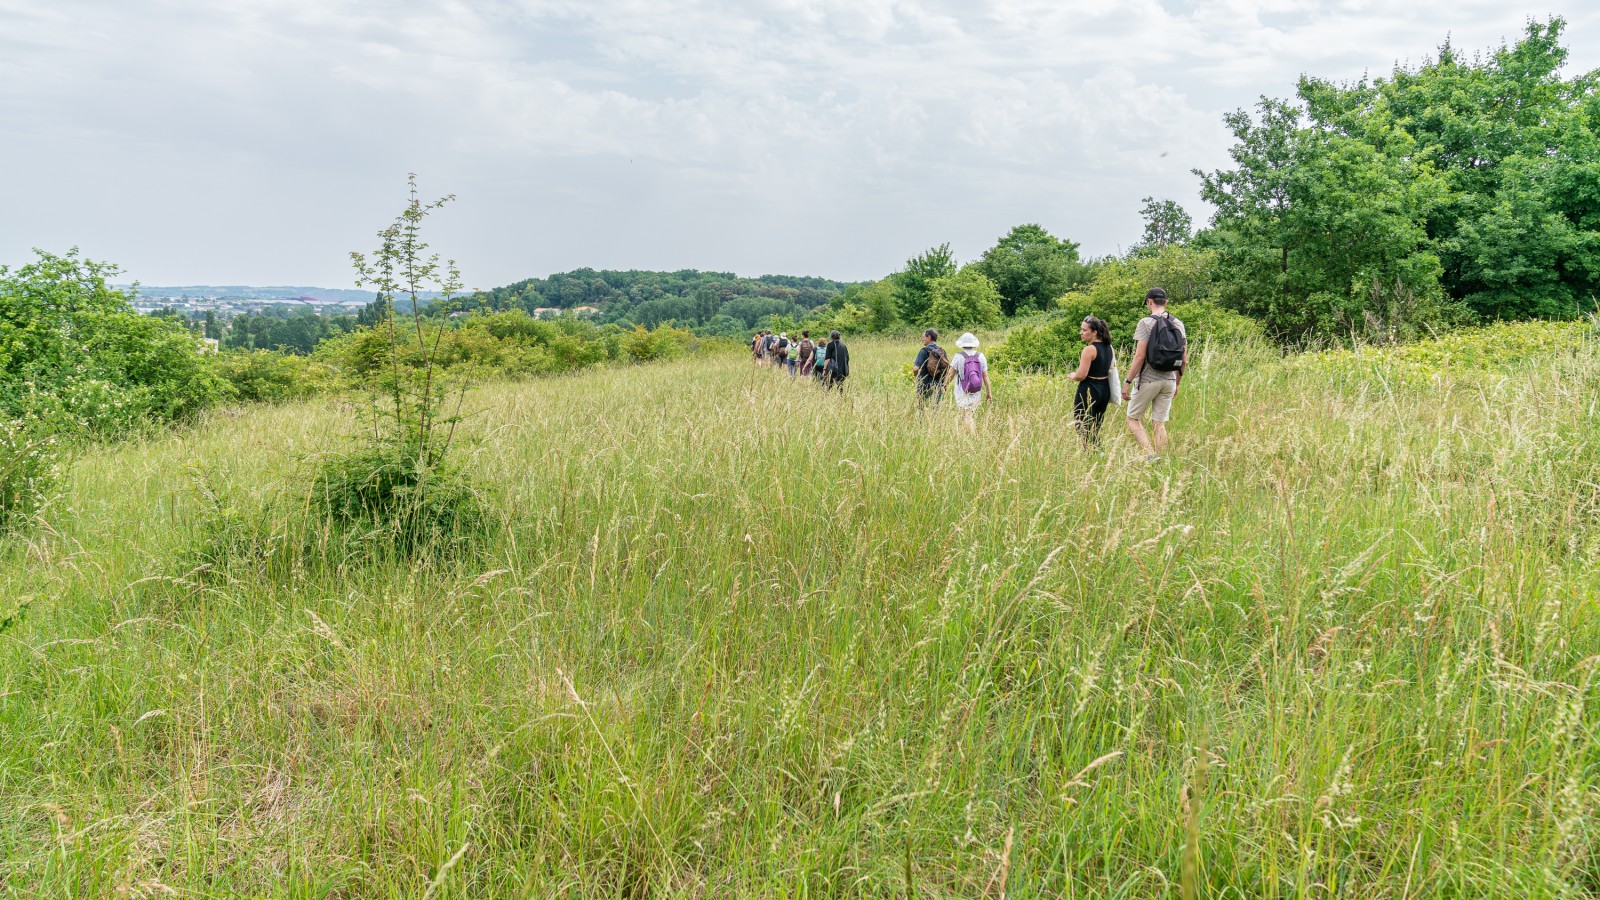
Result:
<point x="1155" y="395"/>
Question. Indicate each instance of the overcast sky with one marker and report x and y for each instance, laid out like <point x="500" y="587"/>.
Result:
<point x="258" y="141"/>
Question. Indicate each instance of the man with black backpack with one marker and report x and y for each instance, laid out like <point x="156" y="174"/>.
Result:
<point x="932" y="368"/>
<point x="1159" y="359"/>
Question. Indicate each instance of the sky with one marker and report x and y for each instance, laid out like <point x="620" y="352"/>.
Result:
<point x="260" y="141"/>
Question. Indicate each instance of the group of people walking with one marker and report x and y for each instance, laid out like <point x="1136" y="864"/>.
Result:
<point x="828" y="362"/>
<point x="1161" y="353"/>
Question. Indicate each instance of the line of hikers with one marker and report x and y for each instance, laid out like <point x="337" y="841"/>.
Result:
<point x="828" y="363"/>
<point x="1160" y="355"/>
<point x="1161" y="352"/>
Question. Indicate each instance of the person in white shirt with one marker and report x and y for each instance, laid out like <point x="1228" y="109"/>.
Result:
<point x="972" y="376"/>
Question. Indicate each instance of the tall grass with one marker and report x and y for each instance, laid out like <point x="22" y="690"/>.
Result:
<point x="735" y="637"/>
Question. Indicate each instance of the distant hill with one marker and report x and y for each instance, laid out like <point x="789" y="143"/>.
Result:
<point x="721" y="301"/>
<point x="250" y="292"/>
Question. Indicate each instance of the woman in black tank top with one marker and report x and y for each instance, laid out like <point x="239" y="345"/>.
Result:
<point x="1094" y="379"/>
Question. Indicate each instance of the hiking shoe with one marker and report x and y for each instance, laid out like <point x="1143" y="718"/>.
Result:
<point x="1153" y="458"/>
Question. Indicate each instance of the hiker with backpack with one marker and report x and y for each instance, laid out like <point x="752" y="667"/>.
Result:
<point x="780" y="351"/>
<point x="819" y="371"/>
<point x="808" y="354"/>
<point x="838" y="363"/>
<point x="1094" y="375"/>
<point x="758" y="347"/>
<point x="1159" y="359"/>
<point x="932" y="368"/>
<point x="972" y="376"/>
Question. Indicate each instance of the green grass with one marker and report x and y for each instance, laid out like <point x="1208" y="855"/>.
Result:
<point x="734" y="637"/>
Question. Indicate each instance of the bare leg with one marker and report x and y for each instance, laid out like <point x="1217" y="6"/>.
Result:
<point x="1137" y="428"/>
<point x="1161" y="437"/>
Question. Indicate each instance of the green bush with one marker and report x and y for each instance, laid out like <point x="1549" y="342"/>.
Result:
<point x="398" y="496"/>
<point x="268" y="376"/>
<point x="1497" y="349"/>
<point x="966" y="300"/>
<point x="77" y="358"/>
<point x="665" y="342"/>
<point x="508" y="344"/>
<point x="29" y="473"/>
<point x="1050" y="342"/>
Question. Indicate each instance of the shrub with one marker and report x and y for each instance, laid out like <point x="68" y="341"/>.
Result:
<point x="1050" y="343"/>
<point x="29" y="473"/>
<point x="1495" y="349"/>
<point x="966" y="300"/>
<point x="75" y="356"/>
<point x="398" y="495"/>
<point x="268" y="376"/>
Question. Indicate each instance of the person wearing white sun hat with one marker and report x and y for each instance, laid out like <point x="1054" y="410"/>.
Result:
<point x="972" y="376"/>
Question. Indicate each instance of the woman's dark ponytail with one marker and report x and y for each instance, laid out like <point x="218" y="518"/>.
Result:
<point x="1099" y="327"/>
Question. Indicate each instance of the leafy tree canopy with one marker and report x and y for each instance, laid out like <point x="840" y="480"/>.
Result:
<point x="967" y="299"/>
<point x="1458" y="189"/>
<point x="913" y="285"/>
<point x="1166" y="224"/>
<point x="687" y="297"/>
<point x="75" y="356"/>
<point x="1030" y="267"/>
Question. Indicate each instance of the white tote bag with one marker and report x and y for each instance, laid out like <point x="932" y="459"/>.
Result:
<point x="1115" y="381"/>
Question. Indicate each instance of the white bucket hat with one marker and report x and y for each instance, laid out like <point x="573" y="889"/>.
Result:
<point x="967" y="341"/>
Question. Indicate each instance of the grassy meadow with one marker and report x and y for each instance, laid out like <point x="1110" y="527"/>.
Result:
<point x="734" y="637"/>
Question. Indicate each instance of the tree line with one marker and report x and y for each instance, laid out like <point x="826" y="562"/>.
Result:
<point x="1460" y="190"/>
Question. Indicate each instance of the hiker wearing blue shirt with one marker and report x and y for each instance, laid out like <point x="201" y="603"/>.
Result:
<point x="932" y="368"/>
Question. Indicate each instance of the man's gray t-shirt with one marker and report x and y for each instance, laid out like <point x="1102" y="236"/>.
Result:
<point x="1141" y="332"/>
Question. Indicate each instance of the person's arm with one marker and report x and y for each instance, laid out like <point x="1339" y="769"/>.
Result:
<point x="1134" y="368"/>
<point x="1084" y="359"/>
<point x="922" y="362"/>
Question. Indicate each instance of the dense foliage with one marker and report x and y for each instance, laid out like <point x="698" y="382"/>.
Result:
<point x="1029" y="268"/>
<point x="287" y="329"/>
<point x="77" y="359"/>
<point x="687" y="298"/>
<point x="1050" y="342"/>
<point x="965" y="300"/>
<point x="508" y="344"/>
<point x="1456" y="190"/>
<point x="29" y="471"/>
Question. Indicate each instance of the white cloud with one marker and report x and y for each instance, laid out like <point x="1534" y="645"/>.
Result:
<point x="259" y="140"/>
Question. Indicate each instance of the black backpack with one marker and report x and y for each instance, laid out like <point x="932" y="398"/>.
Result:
<point x="1165" y="346"/>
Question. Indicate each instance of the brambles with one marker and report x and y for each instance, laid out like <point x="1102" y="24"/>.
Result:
<point x="30" y="472"/>
<point x="77" y="360"/>
<point x="267" y="376"/>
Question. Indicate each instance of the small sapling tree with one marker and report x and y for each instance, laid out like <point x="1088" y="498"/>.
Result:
<point x="400" y="484"/>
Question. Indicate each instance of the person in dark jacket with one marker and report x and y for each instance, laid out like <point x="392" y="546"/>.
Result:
<point x="932" y="368"/>
<point x="838" y="363"/>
